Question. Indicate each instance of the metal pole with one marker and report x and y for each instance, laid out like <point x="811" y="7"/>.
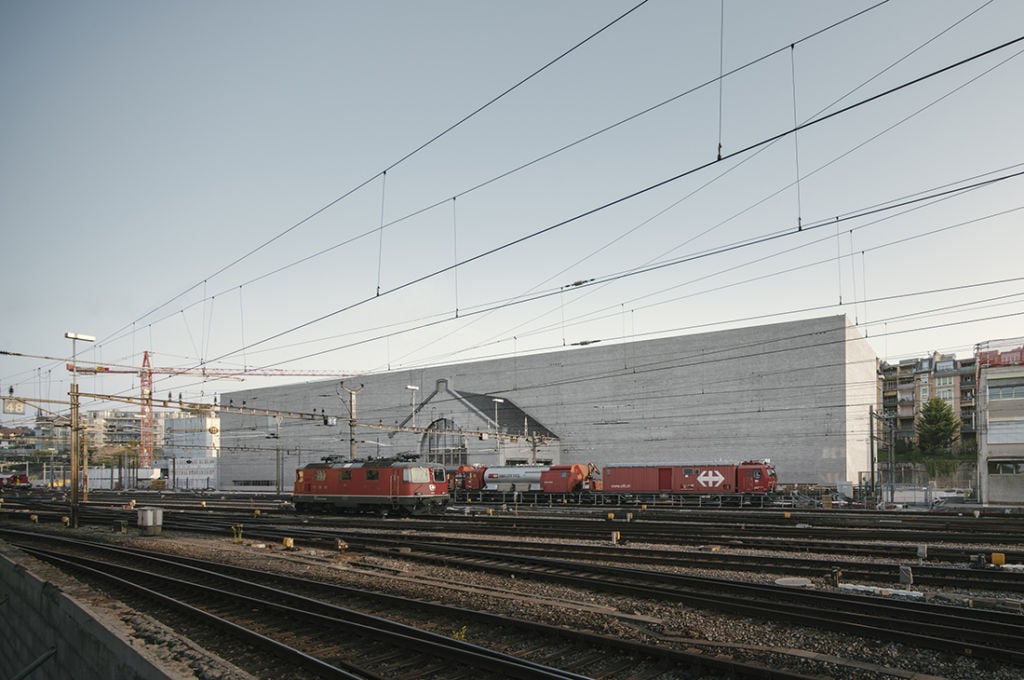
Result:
<point x="414" y="389"/>
<point x="352" y="418"/>
<point x="874" y="431"/>
<point x="83" y="442"/>
<point x="74" y="453"/>
<point x="75" y="433"/>
<point x="891" y="424"/>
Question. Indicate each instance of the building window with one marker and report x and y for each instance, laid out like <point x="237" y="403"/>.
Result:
<point x="1006" y="467"/>
<point x="924" y="394"/>
<point x="446" y="444"/>
<point x="944" y="381"/>
<point x="1006" y="392"/>
<point x="946" y="395"/>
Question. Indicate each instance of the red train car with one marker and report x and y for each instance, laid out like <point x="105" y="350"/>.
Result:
<point x="574" y="478"/>
<point x="551" y="479"/>
<point x="748" y="477"/>
<point x="380" y="485"/>
<point x="14" y="479"/>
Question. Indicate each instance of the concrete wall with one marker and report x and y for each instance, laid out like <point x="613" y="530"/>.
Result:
<point x="43" y="624"/>
<point x="796" y="392"/>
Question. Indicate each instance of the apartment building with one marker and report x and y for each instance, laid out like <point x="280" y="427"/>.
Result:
<point x="906" y="386"/>
<point x="1001" y="421"/>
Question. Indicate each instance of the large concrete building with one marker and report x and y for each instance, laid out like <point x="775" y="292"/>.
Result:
<point x="799" y="393"/>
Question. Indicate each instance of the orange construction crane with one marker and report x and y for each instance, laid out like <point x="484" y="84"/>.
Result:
<point x="146" y="371"/>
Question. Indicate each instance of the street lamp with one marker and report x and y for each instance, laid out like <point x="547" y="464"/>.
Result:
<point x="496" y="401"/>
<point x="497" y="438"/>
<point x="414" y="389"/>
<point x="75" y="436"/>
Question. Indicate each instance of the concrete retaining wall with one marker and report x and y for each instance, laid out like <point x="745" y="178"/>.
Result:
<point x="46" y="633"/>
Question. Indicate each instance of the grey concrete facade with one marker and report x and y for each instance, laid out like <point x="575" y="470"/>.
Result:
<point x="797" y="392"/>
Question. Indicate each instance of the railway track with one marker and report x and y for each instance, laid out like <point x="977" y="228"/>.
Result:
<point x="811" y="567"/>
<point x="979" y="634"/>
<point x="282" y="623"/>
<point x="802" y="559"/>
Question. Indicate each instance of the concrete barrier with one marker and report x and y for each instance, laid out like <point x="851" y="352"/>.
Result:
<point x="46" y="632"/>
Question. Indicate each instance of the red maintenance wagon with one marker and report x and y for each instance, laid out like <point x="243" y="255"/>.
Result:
<point x="748" y="477"/>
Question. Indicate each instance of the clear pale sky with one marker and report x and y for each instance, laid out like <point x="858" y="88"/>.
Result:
<point x="148" y="151"/>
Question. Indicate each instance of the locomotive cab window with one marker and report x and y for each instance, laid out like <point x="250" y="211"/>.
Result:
<point x="372" y="475"/>
<point x="345" y="475"/>
<point x="417" y="475"/>
<point x="439" y="475"/>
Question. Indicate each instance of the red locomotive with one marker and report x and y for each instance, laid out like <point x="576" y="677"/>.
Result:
<point x="379" y="485"/>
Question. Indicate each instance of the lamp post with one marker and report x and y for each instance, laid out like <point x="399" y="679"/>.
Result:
<point x="351" y="418"/>
<point x="497" y="438"/>
<point x="414" y="389"/>
<point x="75" y="435"/>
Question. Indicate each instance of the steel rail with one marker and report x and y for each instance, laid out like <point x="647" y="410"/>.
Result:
<point x="317" y="613"/>
<point x="252" y="577"/>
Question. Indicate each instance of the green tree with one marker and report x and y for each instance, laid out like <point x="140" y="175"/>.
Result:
<point x="937" y="427"/>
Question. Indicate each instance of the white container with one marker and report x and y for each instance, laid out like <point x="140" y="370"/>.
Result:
<point x="151" y="520"/>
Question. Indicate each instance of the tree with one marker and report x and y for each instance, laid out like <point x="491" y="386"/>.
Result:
<point x="937" y="427"/>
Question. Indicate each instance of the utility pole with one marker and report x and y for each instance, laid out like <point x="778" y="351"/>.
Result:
<point x="871" y="419"/>
<point x="75" y="433"/>
<point x="351" y="418"/>
<point x="74" y="455"/>
<point x="892" y="460"/>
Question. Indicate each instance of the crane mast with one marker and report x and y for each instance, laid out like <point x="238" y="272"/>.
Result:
<point x="145" y="373"/>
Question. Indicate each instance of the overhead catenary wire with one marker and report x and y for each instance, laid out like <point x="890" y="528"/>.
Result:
<point x="403" y="158"/>
<point x="467" y="312"/>
<point x="632" y="195"/>
<point x="733" y="71"/>
<point x="247" y="345"/>
<point x="201" y="353"/>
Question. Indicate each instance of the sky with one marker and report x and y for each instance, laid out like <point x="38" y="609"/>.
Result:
<point x="346" y="187"/>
